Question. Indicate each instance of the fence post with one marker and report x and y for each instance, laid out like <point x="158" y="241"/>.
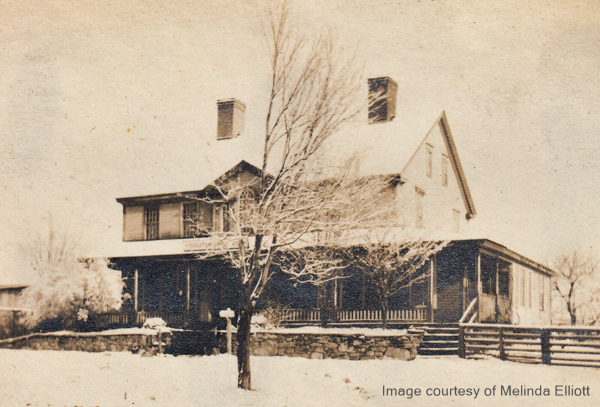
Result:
<point x="501" y="344"/>
<point x="324" y="317"/>
<point x="461" y="341"/>
<point x="545" y="337"/>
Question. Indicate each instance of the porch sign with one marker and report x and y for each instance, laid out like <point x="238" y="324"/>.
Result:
<point x="208" y="244"/>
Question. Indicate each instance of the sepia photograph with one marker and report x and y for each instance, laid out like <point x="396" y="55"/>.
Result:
<point x="299" y="203"/>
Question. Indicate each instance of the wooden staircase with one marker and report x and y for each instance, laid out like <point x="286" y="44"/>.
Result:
<point x="439" y="339"/>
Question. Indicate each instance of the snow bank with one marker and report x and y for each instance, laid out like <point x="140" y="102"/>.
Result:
<point x="333" y="331"/>
<point x="46" y="378"/>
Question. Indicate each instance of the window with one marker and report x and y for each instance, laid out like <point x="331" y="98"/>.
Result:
<point x="531" y="289"/>
<point x="429" y="168"/>
<point x="247" y="207"/>
<point x="444" y="171"/>
<point x="420" y="197"/>
<point x="542" y="296"/>
<point x="524" y="285"/>
<point x="151" y="222"/>
<point x="190" y="216"/>
<point x="197" y="219"/>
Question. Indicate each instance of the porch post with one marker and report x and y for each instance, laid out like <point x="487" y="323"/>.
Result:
<point x="187" y="294"/>
<point x="478" y="270"/>
<point x="432" y="285"/>
<point x="497" y="306"/>
<point x="161" y="284"/>
<point x="136" y="290"/>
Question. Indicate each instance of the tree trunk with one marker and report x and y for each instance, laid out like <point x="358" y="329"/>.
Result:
<point x="243" y="348"/>
<point x="384" y="310"/>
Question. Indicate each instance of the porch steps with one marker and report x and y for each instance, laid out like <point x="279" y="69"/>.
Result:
<point x="439" y="340"/>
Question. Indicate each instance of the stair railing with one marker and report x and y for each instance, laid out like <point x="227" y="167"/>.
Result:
<point x="470" y="312"/>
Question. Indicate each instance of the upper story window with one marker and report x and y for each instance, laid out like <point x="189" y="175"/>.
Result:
<point x="429" y="168"/>
<point x="420" y="199"/>
<point x="542" y="293"/>
<point x="247" y="206"/>
<point x="445" y="163"/>
<point x="151" y="218"/>
<point x="197" y="219"/>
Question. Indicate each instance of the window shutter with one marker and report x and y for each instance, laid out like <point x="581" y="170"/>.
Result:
<point x="133" y="223"/>
<point x="170" y="221"/>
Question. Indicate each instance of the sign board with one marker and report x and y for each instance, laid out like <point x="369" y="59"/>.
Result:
<point x="209" y="244"/>
<point x="227" y="313"/>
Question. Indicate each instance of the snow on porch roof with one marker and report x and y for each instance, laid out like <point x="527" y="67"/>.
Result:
<point x="189" y="247"/>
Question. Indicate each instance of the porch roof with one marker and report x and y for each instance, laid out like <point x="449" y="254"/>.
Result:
<point x="192" y="247"/>
<point x="503" y="251"/>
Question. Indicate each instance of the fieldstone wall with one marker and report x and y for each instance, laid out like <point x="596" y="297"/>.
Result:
<point x="335" y="346"/>
<point x="82" y="342"/>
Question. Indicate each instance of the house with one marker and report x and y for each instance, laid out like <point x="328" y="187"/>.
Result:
<point x="166" y="236"/>
<point x="10" y="309"/>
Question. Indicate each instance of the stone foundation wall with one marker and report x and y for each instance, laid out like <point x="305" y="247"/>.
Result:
<point x="334" y="346"/>
<point x="81" y="342"/>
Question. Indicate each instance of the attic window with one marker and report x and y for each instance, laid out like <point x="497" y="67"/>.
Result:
<point x="444" y="171"/>
<point x="429" y="169"/>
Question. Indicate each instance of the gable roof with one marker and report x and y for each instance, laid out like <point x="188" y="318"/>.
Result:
<point x="462" y="180"/>
<point x="222" y="178"/>
<point x="387" y="148"/>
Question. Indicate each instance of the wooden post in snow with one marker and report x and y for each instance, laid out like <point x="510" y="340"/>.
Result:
<point x="478" y="271"/>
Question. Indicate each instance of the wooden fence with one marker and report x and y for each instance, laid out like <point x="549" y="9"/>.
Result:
<point x="572" y="346"/>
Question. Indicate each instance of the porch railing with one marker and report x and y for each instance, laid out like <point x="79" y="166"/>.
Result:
<point x="301" y="315"/>
<point x="413" y="314"/>
<point x="470" y="313"/>
<point x="312" y="316"/>
<point x="114" y="319"/>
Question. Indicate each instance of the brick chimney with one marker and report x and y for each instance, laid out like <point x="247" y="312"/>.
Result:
<point x="382" y="99"/>
<point x="230" y="122"/>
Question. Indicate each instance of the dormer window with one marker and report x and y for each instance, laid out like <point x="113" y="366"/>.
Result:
<point x="445" y="170"/>
<point x="151" y="214"/>
<point x="429" y="168"/>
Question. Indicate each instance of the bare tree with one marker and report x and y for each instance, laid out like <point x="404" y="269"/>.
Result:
<point x="576" y="284"/>
<point x="289" y="216"/>
<point x="393" y="263"/>
<point x="66" y="289"/>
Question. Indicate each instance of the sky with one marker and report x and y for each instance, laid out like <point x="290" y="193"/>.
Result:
<point x="105" y="99"/>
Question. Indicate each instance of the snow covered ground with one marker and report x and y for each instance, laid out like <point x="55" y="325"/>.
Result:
<point x="55" y="378"/>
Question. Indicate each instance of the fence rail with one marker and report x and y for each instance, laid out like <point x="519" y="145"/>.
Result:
<point x="574" y="346"/>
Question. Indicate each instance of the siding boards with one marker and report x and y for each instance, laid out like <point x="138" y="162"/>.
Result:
<point x="133" y="223"/>
<point x="170" y="221"/>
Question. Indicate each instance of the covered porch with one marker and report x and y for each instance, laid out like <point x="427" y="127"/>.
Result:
<point x="182" y="290"/>
<point x="469" y="281"/>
